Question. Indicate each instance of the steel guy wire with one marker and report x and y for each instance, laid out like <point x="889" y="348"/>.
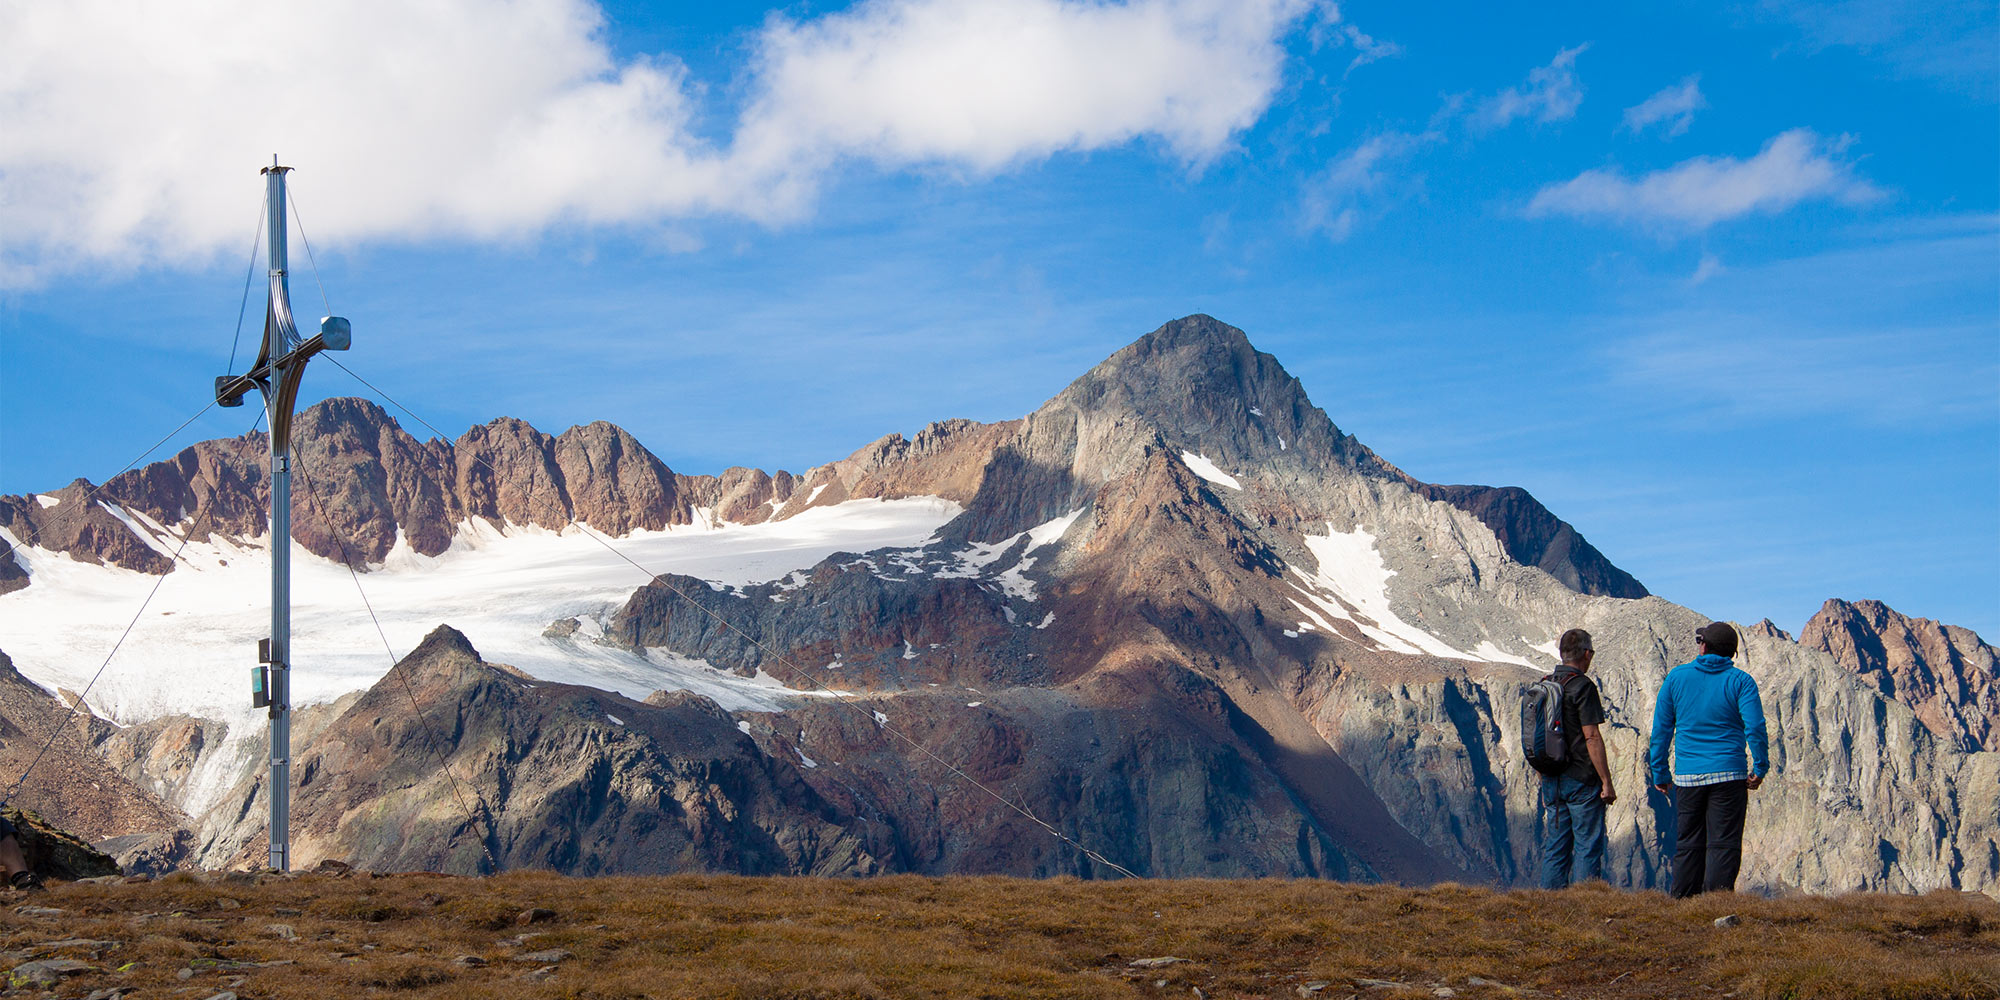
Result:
<point x="796" y="670"/>
<point x="83" y="503"/>
<point x="296" y="217"/>
<point x="430" y="735"/>
<point x="256" y="241"/>
<point x="193" y="530"/>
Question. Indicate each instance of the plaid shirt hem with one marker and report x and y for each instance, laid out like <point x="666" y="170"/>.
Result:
<point x="1712" y="778"/>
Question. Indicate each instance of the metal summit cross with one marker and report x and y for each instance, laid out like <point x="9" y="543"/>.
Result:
<point x="280" y="366"/>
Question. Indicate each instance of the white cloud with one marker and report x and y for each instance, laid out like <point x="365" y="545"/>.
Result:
<point x="1793" y="167"/>
<point x="987" y="84"/>
<point x="1551" y="94"/>
<point x="133" y="132"/>
<point x="1674" y="106"/>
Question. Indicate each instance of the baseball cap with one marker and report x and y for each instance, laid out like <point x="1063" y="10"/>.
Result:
<point x="1720" y="637"/>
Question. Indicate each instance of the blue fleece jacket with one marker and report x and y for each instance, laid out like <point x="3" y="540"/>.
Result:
<point x="1707" y="711"/>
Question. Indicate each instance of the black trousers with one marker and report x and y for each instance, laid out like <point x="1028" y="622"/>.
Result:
<point x="1708" y="837"/>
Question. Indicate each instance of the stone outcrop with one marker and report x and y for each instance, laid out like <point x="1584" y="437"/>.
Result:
<point x="54" y="853"/>
<point x="1947" y="675"/>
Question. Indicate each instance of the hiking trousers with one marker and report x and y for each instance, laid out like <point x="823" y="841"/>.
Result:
<point x="1572" y="831"/>
<point x="1708" y="836"/>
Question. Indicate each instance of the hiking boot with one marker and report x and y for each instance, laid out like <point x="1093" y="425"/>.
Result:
<point x="27" y="882"/>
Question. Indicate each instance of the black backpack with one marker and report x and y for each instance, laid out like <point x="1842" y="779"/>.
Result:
<point x="1543" y="738"/>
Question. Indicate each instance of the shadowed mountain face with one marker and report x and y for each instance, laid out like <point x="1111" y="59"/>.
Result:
<point x="1182" y="619"/>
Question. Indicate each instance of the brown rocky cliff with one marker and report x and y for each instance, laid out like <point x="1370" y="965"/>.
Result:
<point x="360" y="479"/>
<point x="362" y="482"/>
<point x="471" y="760"/>
<point x="78" y="525"/>
<point x="614" y="484"/>
<point x="1946" y="674"/>
<point x="72" y="784"/>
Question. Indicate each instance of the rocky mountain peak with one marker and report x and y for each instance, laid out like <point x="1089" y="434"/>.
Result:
<point x="1948" y="675"/>
<point x="1204" y="388"/>
<point x="443" y="642"/>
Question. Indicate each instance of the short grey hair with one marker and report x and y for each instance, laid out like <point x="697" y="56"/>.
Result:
<point x="1573" y="645"/>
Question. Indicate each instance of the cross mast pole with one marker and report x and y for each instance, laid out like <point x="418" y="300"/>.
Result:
<point x="280" y="366"/>
<point x="280" y="785"/>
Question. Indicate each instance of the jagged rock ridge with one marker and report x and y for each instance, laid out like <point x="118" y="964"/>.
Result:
<point x="364" y="482"/>
<point x="1946" y="674"/>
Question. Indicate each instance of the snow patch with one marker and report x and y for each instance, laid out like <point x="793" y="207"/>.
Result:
<point x="132" y="523"/>
<point x="909" y="651"/>
<point x="803" y="759"/>
<point x="1013" y="582"/>
<point x="616" y="721"/>
<point x="881" y="720"/>
<point x="1255" y="412"/>
<point x="743" y="727"/>
<point x="1201" y="466"/>
<point x="1047" y="620"/>
<point x="974" y="704"/>
<point x="1352" y="584"/>
<point x="1351" y="575"/>
<point x="46" y="500"/>
<point x="1487" y="651"/>
<point x="814" y="495"/>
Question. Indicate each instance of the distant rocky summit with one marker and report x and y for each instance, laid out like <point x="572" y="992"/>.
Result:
<point x="1946" y="674"/>
<point x="1175" y="614"/>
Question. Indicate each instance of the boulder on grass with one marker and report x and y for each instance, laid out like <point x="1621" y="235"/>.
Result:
<point x="55" y="854"/>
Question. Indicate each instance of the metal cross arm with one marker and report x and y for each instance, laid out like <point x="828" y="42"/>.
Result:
<point x="335" y="334"/>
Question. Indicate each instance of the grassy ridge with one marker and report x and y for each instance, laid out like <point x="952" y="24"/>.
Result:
<point x="353" y="934"/>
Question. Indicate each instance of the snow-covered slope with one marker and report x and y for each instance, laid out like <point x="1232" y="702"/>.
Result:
<point x="192" y="651"/>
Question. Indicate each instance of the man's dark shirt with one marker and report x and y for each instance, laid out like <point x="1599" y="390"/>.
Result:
<point x="1580" y="707"/>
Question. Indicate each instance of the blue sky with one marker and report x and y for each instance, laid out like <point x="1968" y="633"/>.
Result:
<point x="1720" y="284"/>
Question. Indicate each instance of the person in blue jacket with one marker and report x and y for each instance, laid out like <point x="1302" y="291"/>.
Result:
<point x="1707" y="713"/>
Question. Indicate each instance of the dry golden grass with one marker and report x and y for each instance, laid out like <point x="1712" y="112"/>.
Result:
<point x="730" y="937"/>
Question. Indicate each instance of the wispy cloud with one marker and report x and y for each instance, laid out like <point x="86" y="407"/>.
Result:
<point x="1709" y="267"/>
<point x="131" y="131"/>
<point x="1675" y="107"/>
<point x="1550" y="94"/>
<point x="1330" y="28"/>
<point x="1341" y="196"/>
<point x="1695" y="194"/>
<point x="1948" y="41"/>
<point x="1897" y="330"/>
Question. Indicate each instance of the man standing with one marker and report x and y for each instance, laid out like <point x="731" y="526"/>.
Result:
<point x="1708" y="710"/>
<point x="1573" y="799"/>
